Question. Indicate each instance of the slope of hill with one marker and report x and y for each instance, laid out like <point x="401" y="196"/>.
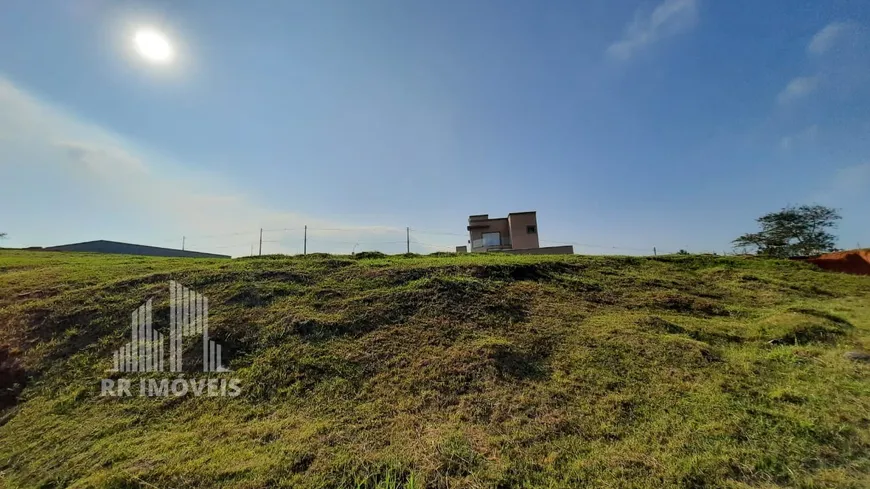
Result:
<point x="478" y="371"/>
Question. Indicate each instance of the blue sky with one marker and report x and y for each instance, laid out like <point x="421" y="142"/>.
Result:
<point x="625" y="124"/>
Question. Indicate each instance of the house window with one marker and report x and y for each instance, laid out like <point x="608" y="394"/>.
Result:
<point x="531" y="229"/>
<point x="491" y="239"/>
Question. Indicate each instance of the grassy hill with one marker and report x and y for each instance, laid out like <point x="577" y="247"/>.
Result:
<point x="470" y="371"/>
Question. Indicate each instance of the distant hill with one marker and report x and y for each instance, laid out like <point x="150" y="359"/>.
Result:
<point x="465" y="371"/>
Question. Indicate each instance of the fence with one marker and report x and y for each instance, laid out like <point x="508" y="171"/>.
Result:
<point x="350" y="240"/>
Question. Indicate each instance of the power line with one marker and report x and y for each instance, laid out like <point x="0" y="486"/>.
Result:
<point x="444" y="233"/>
<point x="281" y="230"/>
<point x="361" y="230"/>
<point x="351" y="231"/>
<point x="229" y="246"/>
<point x="430" y="245"/>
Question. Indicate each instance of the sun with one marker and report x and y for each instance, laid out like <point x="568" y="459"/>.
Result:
<point x="153" y="46"/>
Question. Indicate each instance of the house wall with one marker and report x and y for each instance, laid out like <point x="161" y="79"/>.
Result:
<point x="499" y="225"/>
<point x="520" y="238"/>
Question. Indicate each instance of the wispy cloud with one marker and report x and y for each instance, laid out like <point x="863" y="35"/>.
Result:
<point x="798" y="88"/>
<point x="808" y="135"/>
<point x="846" y="184"/>
<point x="836" y="54"/>
<point x="669" y="18"/>
<point x="826" y="38"/>
<point x="853" y="179"/>
<point x="42" y="140"/>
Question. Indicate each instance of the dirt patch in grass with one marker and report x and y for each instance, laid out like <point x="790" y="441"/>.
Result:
<point x="13" y="378"/>
<point x="514" y="272"/>
<point x="672" y="301"/>
<point x="802" y="326"/>
<point x="260" y="294"/>
<point x="655" y="323"/>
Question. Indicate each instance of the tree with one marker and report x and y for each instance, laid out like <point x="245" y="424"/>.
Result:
<point x="793" y="231"/>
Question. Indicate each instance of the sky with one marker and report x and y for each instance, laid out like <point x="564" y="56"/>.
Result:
<point x="626" y="125"/>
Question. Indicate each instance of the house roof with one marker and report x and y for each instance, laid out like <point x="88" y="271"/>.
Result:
<point x="117" y="247"/>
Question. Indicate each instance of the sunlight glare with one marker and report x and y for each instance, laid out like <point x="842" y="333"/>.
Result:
<point x="153" y="46"/>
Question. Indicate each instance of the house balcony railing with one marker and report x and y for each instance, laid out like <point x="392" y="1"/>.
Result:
<point x="488" y="244"/>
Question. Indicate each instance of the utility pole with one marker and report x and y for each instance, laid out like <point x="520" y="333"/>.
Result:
<point x="654" y="251"/>
<point x="252" y="249"/>
<point x="261" y="242"/>
<point x="183" y="239"/>
<point x="305" y="242"/>
<point x="408" y="239"/>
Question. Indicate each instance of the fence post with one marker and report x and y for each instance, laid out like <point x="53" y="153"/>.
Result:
<point x="408" y="239"/>
<point x="183" y="239"/>
<point x="305" y="242"/>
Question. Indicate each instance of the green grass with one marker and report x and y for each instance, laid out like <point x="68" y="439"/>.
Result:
<point x="468" y="371"/>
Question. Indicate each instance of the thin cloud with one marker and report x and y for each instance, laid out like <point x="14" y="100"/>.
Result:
<point x="846" y="184"/>
<point x="670" y="18"/>
<point x="836" y="55"/>
<point x="798" y="88"/>
<point x="44" y="140"/>
<point x="101" y="160"/>
<point x="853" y="179"/>
<point x="826" y="38"/>
<point x="806" y="136"/>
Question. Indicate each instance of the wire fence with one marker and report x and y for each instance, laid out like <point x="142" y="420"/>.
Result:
<point x="350" y="240"/>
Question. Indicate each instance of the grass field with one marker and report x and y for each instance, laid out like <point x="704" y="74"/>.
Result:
<point x="469" y="371"/>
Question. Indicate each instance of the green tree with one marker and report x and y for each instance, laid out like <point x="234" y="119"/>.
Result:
<point x="793" y="231"/>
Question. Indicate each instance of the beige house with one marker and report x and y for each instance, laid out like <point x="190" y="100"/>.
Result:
<point x="516" y="233"/>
